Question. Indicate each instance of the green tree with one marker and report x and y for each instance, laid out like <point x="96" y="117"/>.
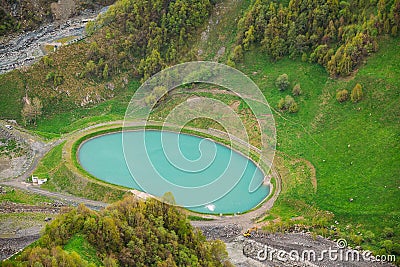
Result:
<point x="237" y="53"/>
<point x="169" y="198"/>
<point x="288" y="104"/>
<point x="47" y="61"/>
<point x="105" y="72"/>
<point x="150" y="100"/>
<point x="218" y="251"/>
<point x="90" y="68"/>
<point x="249" y="38"/>
<point x="296" y="90"/>
<point x="357" y="93"/>
<point x="282" y="82"/>
<point x="342" y="95"/>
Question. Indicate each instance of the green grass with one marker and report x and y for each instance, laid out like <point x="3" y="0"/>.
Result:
<point x="22" y="197"/>
<point x="56" y="123"/>
<point x="198" y="218"/>
<point x="322" y="130"/>
<point x="11" y="93"/>
<point x="49" y="162"/>
<point x="62" y="179"/>
<point x="65" y="39"/>
<point x="80" y="245"/>
<point x="366" y="171"/>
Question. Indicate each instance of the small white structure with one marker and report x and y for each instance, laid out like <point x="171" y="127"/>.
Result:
<point x="38" y="181"/>
<point x="9" y="127"/>
<point x="41" y="181"/>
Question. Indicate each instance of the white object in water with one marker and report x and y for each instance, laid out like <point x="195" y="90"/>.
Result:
<point x="210" y="207"/>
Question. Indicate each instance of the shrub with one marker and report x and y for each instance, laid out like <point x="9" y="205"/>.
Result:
<point x="282" y="82"/>
<point x="293" y="108"/>
<point x="281" y="104"/>
<point x="55" y="77"/>
<point x="356" y="94"/>
<point x="237" y="53"/>
<point x="342" y="95"/>
<point x="304" y="57"/>
<point x="388" y="232"/>
<point x="47" y="61"/>
<point x="289" y="104"/>
<point x="296" y="90"/>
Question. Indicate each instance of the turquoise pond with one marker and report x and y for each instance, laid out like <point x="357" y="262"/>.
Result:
<point x="204" y="176"/>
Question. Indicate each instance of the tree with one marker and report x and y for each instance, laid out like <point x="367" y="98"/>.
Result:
<point x="151" y="65"/>
<point x="160" y="92"/>
<point x="293" y="108"/>
<point x="47" y="61"/>
<point x="288" y="104"/>
<point x="150" y="100"/>
<point x="218" y="250"/>
<point x="282" y="82"/>
<point x="342" y="95"/>
<point x="296" y="90"/>
<point x="249" y="38"/>
<point x="90" y="68"/>
<point x="237" y="53"/>
<point x="105" y="72"/>
<point x="356" y="94"/>
<point x="169" y="198"/>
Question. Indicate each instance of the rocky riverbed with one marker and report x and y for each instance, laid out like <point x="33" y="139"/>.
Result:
<point x="28" y="47"/>
<point x="287" y="250"/>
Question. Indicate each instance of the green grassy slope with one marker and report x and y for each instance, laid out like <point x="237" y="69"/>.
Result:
<point x="354" y="146"/>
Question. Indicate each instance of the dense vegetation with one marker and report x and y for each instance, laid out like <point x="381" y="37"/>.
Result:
<point x="349" y="133"/>
<point x="134" y="39"/>
<point x="337" y="35"/>
<point x="28" y="15"/>
<point x="145" y="36"/>
<point x="127" y="233"/>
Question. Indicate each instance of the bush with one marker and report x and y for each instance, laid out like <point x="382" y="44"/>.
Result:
<point x="296" y="90"/>
<point x="342" y="95"/>
<point x="288" y="104"/>
<point x="388" y="232"/>
<point x="237" y="53"/>
<point x="282" y="82"/>
<point x="356" y="94"/>
<point x="293" y="108"/>
<point x="304" y="57"/>
<point x="47" y="61"/>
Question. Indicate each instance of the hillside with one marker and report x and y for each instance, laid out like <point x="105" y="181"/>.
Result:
<point x="19" y="16"/>
<point x="337" y="115"/>
<point x="127" y="233"/>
